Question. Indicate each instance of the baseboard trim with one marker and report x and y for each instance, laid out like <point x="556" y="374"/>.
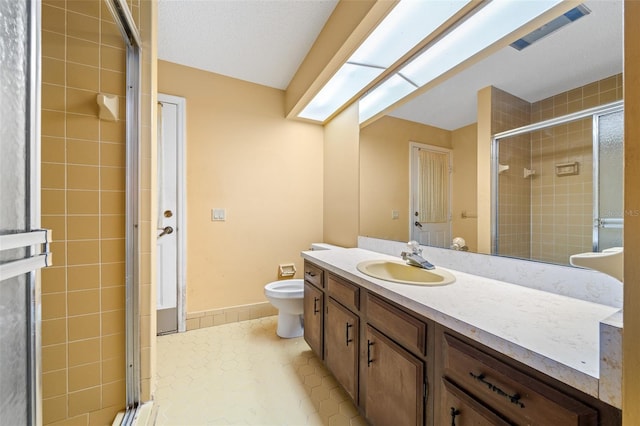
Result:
<point x="214" y="317"/>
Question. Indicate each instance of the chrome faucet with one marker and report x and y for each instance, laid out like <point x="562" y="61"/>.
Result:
<point x="415" y="257"/>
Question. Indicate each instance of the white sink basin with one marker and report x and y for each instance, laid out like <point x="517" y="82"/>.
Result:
<point x="399" y="272"/>
<point x="609" y="261"/>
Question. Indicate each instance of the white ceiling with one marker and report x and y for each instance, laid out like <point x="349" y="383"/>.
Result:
<point x="264" y="42"/>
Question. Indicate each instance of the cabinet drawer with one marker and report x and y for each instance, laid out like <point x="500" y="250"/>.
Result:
<point x="517" y="396"/>
<point x="313" y="275"/>
<point x="344" y="292"/>
<point x="399" y="325"/>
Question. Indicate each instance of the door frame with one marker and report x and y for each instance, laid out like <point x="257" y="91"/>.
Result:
<point x="181" y="208"/>
<point x="449" y="151"/>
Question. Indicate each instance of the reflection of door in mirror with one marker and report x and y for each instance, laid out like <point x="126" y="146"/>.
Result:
<point x="608" y="152"/>
<point x="431" y="195"/>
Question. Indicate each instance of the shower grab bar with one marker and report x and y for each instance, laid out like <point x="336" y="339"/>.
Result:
<point x="609" y="222"/>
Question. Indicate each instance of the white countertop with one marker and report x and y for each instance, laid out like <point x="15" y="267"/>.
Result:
<point x="555" y="334"/>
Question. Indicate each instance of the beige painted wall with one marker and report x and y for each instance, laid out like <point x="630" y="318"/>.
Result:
<point x="384" y="173"/>
<point x="631" y="340"/>
<point x="464" y="142"/>
<point x="341" y="179"/>
<point x="266" y="171"/>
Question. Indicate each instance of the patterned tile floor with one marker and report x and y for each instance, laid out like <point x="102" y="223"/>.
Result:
<point x="243" y="374"/>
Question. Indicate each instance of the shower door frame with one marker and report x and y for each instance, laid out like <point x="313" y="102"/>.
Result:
<point x="495" y="151"/>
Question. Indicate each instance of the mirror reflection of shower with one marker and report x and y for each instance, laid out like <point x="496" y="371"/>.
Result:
<point x="557" y="186"/>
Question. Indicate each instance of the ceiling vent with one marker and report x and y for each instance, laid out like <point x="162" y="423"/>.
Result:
<point x="559" y="22"/>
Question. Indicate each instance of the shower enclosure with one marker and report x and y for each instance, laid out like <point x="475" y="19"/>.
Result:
<point x="557" y="186"/>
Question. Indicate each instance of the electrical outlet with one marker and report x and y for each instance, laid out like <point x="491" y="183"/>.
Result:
<point x="394" y="214"/>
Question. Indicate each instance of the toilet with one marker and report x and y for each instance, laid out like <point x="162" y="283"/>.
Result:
<point x="287" y="296"/>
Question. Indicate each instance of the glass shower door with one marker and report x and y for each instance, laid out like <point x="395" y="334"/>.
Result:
<point x="608" y="180"/>
<point x="23" y="248"/>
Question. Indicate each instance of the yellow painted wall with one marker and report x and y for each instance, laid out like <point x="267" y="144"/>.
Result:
<point x="266" y="171"/>
<point x="464" y="142"/>
<point x="631" y="338"/>
<point x="484" y="170"/>
<point x="341" y="179"/>
<point x="384" y="173"/>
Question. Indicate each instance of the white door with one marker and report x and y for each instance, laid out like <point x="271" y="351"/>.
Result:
<point x="171" y="232"/>
<point x="431" y="195"/>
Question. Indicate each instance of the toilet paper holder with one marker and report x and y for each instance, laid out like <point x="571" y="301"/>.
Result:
<point x="287" y="269"/>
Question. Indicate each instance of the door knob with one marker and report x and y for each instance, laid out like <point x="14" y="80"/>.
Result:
<point x="165" y="231"/>
<point x="418" y="224"/>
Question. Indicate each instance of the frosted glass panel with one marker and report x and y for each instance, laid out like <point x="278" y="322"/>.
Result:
<point x="610" y="182"/>
<point x="16" y="369"/>
<point x="13" y="351"/>
<point x="13" y="113"/>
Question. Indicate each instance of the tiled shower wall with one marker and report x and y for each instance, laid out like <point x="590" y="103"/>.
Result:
<point x="561" y="210"/>
<point x="510" y="112"/>
<point x="83" y="201"/>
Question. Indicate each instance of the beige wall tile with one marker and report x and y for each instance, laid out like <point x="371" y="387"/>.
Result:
<point x="113" y="298"/>
<point x="54" y="331"/>
<point x="53" y="149"/>
<point x="112" y="322"/>
<point x="53" y="176"/>
<point x="53" y="123"/>
<point x="54" y="279"/>
<point x="53" y="19"/>
<point x="82" y="152"/>
<point x="86" y="7"/>
<point x="83" y="227"/>
<point x="53" y="97"/>
<point x="113" y="274"/>
<point x="83" y="302"/>
<point x="54" y="383"/>
<point x="104" y="416"/>
<point x="113" y="131"/>
<point x="54" y="305"/>
<point x="83" y="77"/>
<point x="54" y="409"/>
<point x="84" y="401"/>
<point x="84" y="376"/>
<point x="59" y="251"/>
<point x="53" y="45"/>
<point x="112" y="154"/>
<point x="113" y="369"/>
<point x="54" y="357"/>
<point x="82" y="102"/>
<point x="84" y="352"/>
<point x="112" y="58"/>
<point x="112" y="202"/>
<point x="82" y="27"/>
<point x="113" y="82"/>
<point x="81" y="420"/>
<point x="83" y="252"/>
<point x="83" y="177"/>
<point x="83" y="52"/>
<point x="83" y="277"/>
<point x="111" y="35"/>
<point x="58" y="226"/>
<point x="83" y="126"/>
<point x="113" y="345"/>
<point x="114" y="394"/>
<point x="113" y="226"/>
<point x="83" y="202"/>
<point x="84" y="327"/>
<point x="112" y="250"/>
<point x="52" y="201"/>
<point x="112" y="178"/>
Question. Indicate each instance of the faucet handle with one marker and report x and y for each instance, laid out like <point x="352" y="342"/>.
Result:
<point x="414" y="246"/>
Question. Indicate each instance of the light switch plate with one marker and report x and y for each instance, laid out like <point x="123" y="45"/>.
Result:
<point x="218" y="215"/>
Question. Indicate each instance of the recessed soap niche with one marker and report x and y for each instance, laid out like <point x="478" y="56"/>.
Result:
<point x="567" y="169"/>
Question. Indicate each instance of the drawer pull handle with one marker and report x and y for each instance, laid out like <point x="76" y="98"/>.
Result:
<point x="369" y="359"/>
<point x="347" y="333"/>
<point x="515" y="398"/>
<point x="311" y="274"/>
<point x="454" y="413"/>
<point x="315" y="306"/>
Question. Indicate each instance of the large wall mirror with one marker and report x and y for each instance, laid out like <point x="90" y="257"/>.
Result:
<point x="576" y="67"/>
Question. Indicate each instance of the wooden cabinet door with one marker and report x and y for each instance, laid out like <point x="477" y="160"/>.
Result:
<point x="458" y="408"/>
<point x="313" y="315"/>
<point x="341" y="339"/>
<point x="395" y="387"/>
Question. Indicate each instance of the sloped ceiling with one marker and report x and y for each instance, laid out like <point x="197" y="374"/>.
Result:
<point x="264" y="42"/>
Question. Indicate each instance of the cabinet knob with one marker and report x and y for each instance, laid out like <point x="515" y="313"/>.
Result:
<point x="454" y="413"/>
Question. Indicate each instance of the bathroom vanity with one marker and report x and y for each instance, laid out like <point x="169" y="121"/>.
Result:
<point x="477" y="351"/>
